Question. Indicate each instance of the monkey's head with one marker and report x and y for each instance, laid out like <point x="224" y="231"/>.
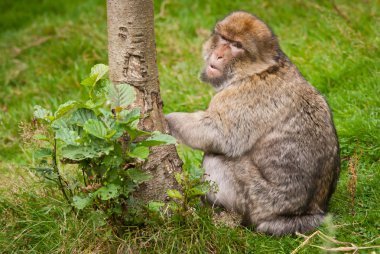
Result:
<point x="241" y="45"/>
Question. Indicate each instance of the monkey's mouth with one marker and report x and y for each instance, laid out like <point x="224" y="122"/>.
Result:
<point x="213" y="71"/>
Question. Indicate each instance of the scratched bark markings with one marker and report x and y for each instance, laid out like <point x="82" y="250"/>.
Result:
<point x="132" y="60"/>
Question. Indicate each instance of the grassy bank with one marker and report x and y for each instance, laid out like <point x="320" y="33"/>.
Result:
<point x="47" y="47"/>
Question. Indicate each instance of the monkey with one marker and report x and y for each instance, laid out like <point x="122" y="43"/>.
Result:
<point x="268" y="136"/>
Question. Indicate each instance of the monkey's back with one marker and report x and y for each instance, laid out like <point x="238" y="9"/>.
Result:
<point x="300" y="153"/>
<point x="294" y="162"/>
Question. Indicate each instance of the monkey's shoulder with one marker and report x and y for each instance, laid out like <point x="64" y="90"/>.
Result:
<point x="252" y="94"/>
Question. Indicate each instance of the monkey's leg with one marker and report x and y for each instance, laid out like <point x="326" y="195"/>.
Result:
<point x="282" y="225"/>
<point x="217" y="169"/>
<point x="278" y="208"/>
<point x="272" y="209"/>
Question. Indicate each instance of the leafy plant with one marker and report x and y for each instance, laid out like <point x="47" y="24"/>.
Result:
<point x="101" y="138"/>
<point x="184" y="201"/>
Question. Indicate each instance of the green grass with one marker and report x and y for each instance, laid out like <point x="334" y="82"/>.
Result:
<point x="47" y="47"/>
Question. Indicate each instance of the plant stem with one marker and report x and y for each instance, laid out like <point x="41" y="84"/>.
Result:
<point x="84" y="177"/>
<point x="55" y="166"/>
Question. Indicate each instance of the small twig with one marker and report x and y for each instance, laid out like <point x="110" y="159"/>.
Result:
<point x="306" y="241"/>
<point x="51" y="179"/>
<point x="342" y="249"/>
<point x="325" y="237"/>
<point x="333" y="240"/>
<point x="375" y="239"/>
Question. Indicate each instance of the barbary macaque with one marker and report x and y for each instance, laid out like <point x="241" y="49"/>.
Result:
<point x="268" y="137"/>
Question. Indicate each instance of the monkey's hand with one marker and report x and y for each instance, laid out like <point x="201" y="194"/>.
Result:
<point x="196" y="130"/>
<point x="174" y="120"/>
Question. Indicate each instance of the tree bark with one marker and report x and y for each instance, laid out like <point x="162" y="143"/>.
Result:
<point x="132" y="60"/>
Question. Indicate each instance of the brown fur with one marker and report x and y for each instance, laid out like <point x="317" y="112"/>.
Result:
<point x="268" y="136"/>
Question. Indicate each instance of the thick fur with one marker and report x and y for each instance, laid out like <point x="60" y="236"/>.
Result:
<point x="268" y="135"/>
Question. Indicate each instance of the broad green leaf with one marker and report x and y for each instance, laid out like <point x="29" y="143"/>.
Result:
<point x="95" y="128"/>
<point x="138" y="176"/>
<point x="174" y="194"/>
<point x="64" y="108"/>
<point x="119" y="131"/>
<point x="158" y="139"/>
<point x="189" y="156"/>
<point x="195" y="172"/>
<point x="97" y="72"/>
<point x="98" y="218"/>
<point x="155" y="206"/>
<point x="107" y="192"/>
<point x="121" y="95"/>
<point x="100" y="90"/>
<point x="109" y="121"/>
<point x="68" y="135"/>
<point x="42" y="153"/>
<point x="126" y="116"/>
<point x="198" y="190"/>
<point x="42" y="113"/>
<point x="106" y="112"/>
<point x="79" y="153"/>
<point x="94" y="104"/>
<point x="129" y="187"/>
<point x="60" y="123"/>
<point x="110" y="134"/>
<point x="40" y="137"/>
<point x="46" y="172"/>
<point x="100" y="70"/>
<point x="65" y="132"/>
<point x="81" y="202"/>
<point x="141" y="152"/>
<point x="135" y="124"/>
<point x="82" y="115"/>
<point x="134" y="133"/>
<point x="89" y="81"/>
<point x="112" y="161"/>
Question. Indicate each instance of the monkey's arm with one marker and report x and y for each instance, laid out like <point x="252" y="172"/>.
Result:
<point x="198" y="130"/>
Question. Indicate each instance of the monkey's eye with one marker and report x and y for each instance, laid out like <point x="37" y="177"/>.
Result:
<point x="223" y="38"/>
<point x="237" y="44"/>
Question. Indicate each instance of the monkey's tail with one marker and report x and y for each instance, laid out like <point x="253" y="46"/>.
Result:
<point x="283" y="225"/>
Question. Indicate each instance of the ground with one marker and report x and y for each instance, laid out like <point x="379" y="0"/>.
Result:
<point x="47" y="47"/>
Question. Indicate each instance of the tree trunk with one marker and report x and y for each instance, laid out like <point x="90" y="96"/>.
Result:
<point x="132" y="60"/>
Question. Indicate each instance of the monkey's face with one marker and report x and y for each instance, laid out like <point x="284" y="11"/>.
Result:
<point x="241" y="45"/>
<point x="220" y="54"/>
